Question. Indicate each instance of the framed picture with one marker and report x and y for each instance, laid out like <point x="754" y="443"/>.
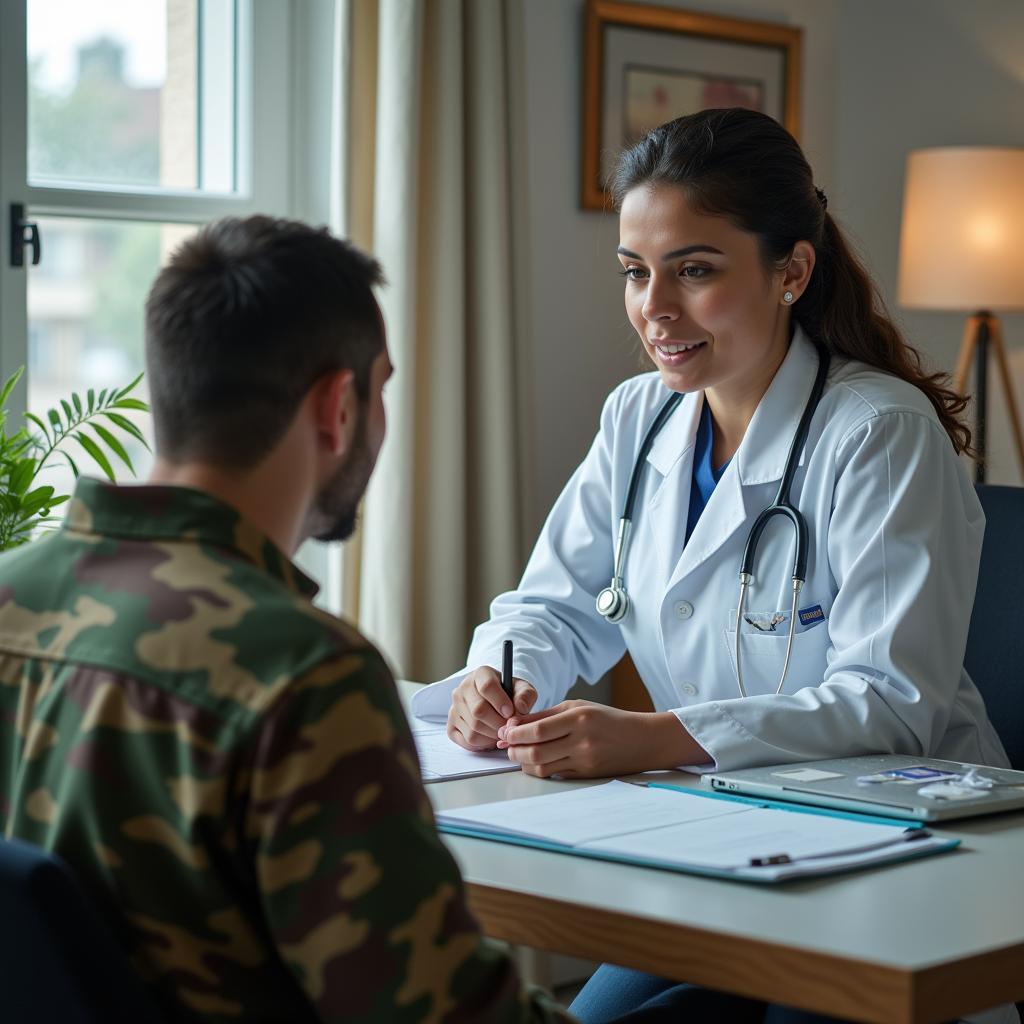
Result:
<point x="645" y="65"/>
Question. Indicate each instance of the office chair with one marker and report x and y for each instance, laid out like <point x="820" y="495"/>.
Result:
<point x="59" y="962"/>
<point x="995" y="643"/>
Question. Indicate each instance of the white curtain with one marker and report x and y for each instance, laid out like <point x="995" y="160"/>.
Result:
<point x="423" y="182"/>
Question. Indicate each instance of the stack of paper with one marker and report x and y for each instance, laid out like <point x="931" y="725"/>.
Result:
<point x="692" y="831"/>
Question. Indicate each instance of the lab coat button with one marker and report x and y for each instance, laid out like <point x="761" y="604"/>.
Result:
<point x="689" y="689"/>
<point x="683" y="609"/>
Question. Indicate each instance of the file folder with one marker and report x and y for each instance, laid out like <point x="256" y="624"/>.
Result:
<point x="695" y="831"/>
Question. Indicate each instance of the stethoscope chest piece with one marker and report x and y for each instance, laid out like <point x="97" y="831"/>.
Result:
<point x="613" y="602"/>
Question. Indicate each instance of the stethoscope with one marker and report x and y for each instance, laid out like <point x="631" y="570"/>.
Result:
<point x="613" y="601"/>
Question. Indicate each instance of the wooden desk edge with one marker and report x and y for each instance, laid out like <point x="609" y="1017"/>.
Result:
<point x="950" y="990"/>
<point x="807" y="979"/>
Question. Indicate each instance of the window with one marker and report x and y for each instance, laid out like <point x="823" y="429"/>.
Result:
<point x="133" y="93"/>
<point x="124" y="125"/>
<point x="85" y="315"/>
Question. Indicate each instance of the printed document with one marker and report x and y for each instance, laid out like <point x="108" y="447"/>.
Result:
<point x="673" y="828"/>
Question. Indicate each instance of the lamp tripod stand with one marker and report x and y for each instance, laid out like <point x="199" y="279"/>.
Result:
<point x="982" y="333"/>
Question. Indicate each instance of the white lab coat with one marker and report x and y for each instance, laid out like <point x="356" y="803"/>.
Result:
<point x="895" y="538"/>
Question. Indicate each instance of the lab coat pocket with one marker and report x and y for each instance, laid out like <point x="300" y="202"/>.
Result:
<point x="763" y="655"/>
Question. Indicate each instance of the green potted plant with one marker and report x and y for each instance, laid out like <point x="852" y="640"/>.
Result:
<point x="91" y="422"/>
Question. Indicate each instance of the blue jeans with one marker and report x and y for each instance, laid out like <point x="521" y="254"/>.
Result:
<point x="622" y="996"/>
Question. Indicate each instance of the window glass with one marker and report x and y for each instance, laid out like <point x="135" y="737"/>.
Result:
<point x="86" y="331"/>
<point x="85" y="310"/>
<point x="137" y="93"/>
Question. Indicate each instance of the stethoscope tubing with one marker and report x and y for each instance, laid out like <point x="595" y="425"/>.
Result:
<point x="613" y="601"/>
<point x="782" y="506"/>
<point x="653" y="431"/>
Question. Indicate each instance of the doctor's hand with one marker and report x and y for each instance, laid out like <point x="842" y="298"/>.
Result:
<point x="480" y="708"/>
<point x="578" y="739"/>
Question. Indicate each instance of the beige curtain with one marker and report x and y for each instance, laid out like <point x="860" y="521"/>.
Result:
<point x="423" y="182"/>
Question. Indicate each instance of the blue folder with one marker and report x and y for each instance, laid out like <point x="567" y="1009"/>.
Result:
<point x="919" y="843"/>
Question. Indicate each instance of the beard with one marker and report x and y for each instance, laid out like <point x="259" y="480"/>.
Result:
<point x="336" y="507"/>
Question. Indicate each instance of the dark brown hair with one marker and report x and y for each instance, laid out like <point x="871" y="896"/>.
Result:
<point x="242" y="321"/>
<point x="745" y="166"/>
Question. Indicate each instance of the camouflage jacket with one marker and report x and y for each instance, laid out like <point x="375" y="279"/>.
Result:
<point x="229" y="773"/>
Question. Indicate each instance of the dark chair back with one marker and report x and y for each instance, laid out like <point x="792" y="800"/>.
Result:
<point x="59" y="962"/>
<point x="995" y="643"/>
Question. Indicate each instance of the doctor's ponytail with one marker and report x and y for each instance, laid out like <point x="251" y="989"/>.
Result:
<point x="745" y="166"/>
<point x="848" y="315"/>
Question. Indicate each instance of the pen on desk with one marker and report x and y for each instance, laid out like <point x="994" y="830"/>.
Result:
<point x="908" y="835"/>
<point x="764" y="862"/>
<point x="506" y="671"/>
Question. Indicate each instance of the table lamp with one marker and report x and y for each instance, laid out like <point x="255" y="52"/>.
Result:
<point x="962" y="248"/>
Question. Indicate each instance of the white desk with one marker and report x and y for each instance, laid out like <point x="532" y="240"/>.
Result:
<point x="917" y="942"/>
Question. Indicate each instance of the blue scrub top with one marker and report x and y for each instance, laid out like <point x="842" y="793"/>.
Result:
<point x="705" y="476"/>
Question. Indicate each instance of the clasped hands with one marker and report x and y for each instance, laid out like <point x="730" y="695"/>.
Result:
<point x="574" y="739"/>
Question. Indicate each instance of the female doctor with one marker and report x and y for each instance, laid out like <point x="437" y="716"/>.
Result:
<point x="794" y="384"/>
<point x="744" y="294"/>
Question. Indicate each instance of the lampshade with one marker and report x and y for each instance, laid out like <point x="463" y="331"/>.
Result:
<point x="962" y="238"/>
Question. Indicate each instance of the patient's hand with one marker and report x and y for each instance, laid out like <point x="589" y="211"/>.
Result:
<point x="480" y="708"/>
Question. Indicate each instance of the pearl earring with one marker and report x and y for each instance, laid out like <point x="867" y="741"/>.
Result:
<point x="787" y="297"/>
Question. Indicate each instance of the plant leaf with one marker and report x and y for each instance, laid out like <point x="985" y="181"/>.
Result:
<point x="90" y="397"/>
<point x="21" y="438"/>
<point x="131" y="403"/>
<point x="35" y="500"/>
<point x="131" y="387"/>
<point x="71" y="463"/>
<point x="21" y="476"/>
<point x="77" y="402"/>
<point x="99" y="401"/>
<point x="10" y="384"/>
<point x="67" y="412"/>
<point x="98" y="457"/>
<point x="40" y="424"/>
<point x="126" y="425"/>
<point x="54" y="418"/>
<point x="21" y="534"/>
<point x="114" y="445"/>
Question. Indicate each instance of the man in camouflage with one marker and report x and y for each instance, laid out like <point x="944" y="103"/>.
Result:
<point x="227" y="768"/>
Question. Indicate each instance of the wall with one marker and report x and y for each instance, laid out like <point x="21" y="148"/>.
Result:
<point x="926" y="73"/>
<point x="576" y="339"/>
<point x="879" y="79"/>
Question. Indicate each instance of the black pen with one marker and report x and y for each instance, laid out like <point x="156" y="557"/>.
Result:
<point x="506" y="672"/>
<point x="908" y="836"/>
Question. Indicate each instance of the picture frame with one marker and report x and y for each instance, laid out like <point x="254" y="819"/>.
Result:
<point x="644" y="65"/>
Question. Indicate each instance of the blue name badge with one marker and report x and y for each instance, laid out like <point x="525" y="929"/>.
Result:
<point x="810" y="616"/>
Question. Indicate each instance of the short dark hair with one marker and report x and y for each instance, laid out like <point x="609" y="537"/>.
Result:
<point x="242" y="321"/>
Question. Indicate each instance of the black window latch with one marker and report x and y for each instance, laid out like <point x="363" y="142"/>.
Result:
<point x="23" y="232"/>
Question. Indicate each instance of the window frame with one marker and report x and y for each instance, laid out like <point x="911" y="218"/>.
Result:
<point x="291" y="166"/>
<point x="263" y="168"/>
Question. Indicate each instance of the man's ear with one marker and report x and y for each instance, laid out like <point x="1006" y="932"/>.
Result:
<point x="334" y="405"/>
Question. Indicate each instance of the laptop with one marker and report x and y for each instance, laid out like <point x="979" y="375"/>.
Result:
<point x="889" y="785"/>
